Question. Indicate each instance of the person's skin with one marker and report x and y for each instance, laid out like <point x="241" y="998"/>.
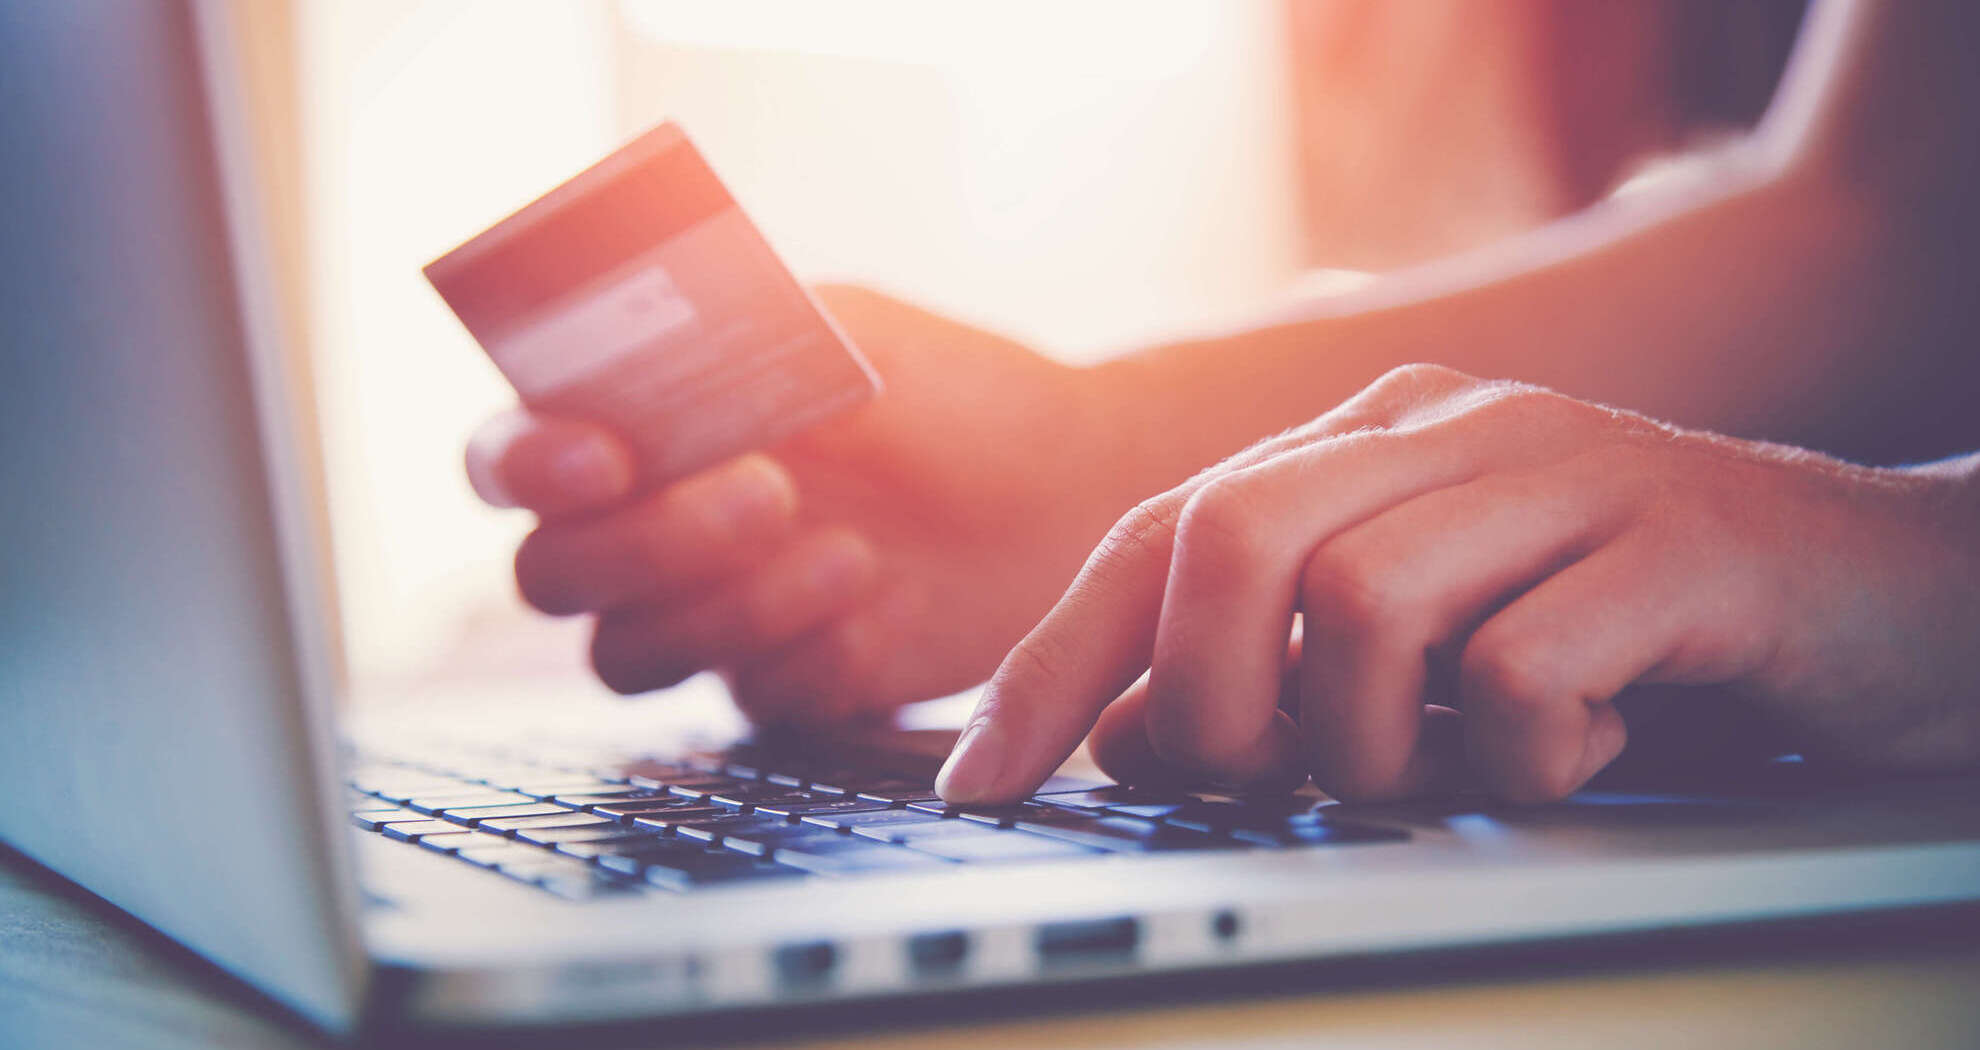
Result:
<point x="891" y="555"/>
<point x="1481" y="569"/>
<point x="1813" y="292"/>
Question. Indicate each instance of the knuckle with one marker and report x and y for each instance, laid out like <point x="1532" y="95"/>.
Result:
<point x="1348" y="591"/>
<point x="1548" y="404"/>
<point x="1148" y="528"/>
<point x="1406" y="391"/>
<point x="1515" y="679"/>
<point x="1419" y="378"/>
<point x="1222" y="520"/>
<point x="1524" y="406"/>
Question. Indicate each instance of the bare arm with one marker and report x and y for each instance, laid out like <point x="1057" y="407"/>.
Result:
<point x="1810" y="290"/>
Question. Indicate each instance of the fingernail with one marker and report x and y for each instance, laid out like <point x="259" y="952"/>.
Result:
<point x="753" y="493"/>
<point x="973" y="766"/>
<point x="588" y="471"/>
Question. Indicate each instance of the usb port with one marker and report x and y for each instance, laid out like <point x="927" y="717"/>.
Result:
<point x="934" y="954"/>
<point x="1091" y="940"/>
<point x="805" y="964"/>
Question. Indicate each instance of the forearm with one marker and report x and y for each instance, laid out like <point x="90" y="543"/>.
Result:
<point x="1775" y="307"/>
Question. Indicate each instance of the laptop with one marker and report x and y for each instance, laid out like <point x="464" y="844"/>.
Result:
<point x="172" y="739"/>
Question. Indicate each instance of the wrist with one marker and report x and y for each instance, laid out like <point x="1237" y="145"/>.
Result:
<point x="1178" y="408"/>
<point x="1163" y="423"/>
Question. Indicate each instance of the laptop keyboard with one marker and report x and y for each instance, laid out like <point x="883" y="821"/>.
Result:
<point x="716" y="820"/>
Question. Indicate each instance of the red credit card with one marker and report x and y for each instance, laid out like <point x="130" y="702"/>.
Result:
<point x="638" y="295"/>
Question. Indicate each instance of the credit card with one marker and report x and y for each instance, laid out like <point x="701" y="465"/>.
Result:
<point x="638" y="295"/>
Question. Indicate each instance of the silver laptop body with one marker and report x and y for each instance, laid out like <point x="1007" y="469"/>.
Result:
<point x="166" y="685"/>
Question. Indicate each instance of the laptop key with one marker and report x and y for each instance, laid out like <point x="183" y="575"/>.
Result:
<point x="669" y="819"/>
<point x="788" y="836"/>
<point x="551" y="836"/>
<point x="1258" y="814"/>
<point x="717" y="870"/>
<point x="995" y="846"/>
<point x="592" y="844"/>
<point x="842" y="781"/>
<point x="1122" y="834"/>
<point x="898" y="791"/>
<point x="625" y="796"/>
<point x="373" y="820"/>
<point x="749" y="798"/>
<point x="474" y="815"/>
<point x="1099" y="799"/>
<point x="713" y="831"/>
<point x="931" y="828"/>
<point x="851" y="856"/>
<point x="565" y="819"/>
<point x="869" y="818"/>
<point x="411" y="830"/>
<point x="463" y="800"/>
<point x="458" y="840"/>
<point x="819" y="807"/>
<point x="632" y="858"/>
<point x="994" y="816"/>
<point x="653" y="807"/>
<point x="564" y="876"/>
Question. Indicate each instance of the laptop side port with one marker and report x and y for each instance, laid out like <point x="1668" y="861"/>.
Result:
<point x="937" y="954"/>
<point x="1088" y="941"/>
<point x="805" y="964"/>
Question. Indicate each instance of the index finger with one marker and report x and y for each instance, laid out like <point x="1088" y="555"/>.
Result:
<point x="1101" y="635"/>
<point x="1092" y="645"/>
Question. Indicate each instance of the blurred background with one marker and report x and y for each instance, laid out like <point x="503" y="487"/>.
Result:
<point x="1085" y="177"/>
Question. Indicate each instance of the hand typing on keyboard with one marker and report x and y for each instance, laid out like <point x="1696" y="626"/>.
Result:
<point x="1484" y="571"/>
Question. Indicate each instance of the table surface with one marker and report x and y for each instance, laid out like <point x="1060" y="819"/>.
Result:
<point x="76" y="973"/>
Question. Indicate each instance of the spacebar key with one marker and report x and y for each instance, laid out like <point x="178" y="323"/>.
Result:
<point x="854" y="855"/>
<point x="700" y="870"/>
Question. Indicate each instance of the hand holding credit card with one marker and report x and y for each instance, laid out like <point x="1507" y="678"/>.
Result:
<point x="639" y="296"/>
